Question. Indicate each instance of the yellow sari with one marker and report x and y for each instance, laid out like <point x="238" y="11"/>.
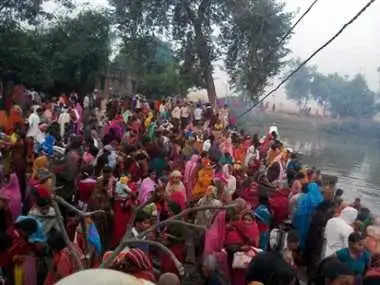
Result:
<point x="205" y="176"/>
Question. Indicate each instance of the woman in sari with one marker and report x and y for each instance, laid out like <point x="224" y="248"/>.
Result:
<point x="101" y="200"/>
<point x="21" y="256"/>
<point x="250" y="194"/>
<point x="241" y="235"/>
<point x="124" y="200"/>
<point x="205" y="176"/>
<point x="175" y="185"/>
<point x="191" y="170"/>
<point x="9" y="121"/>
<point x="305" y="208"/>
<point x="226" y="146"/>
<point x="18" y="156"/>
<point x="93" y="246"/>
<point x="264" y="218"/>
<point x="64" y="262"/>
<point x="11" y="190"/>
<point x="239" y="152"/>
<point x="147" y="188"/>
<point x="40" y="163"/>
<point x="230" y="183"/>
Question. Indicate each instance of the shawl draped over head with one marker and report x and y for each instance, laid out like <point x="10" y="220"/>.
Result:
<point x="13" y="194"/>
<point x="243" y="232"/>
<point x="251" y="195"/>
<point x="38" y="235"/>
<point x="306" y="205"/>
<point x="178" y="187"/>
<point x="147" y="187"/>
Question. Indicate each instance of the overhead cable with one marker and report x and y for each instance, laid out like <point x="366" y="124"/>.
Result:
<point x="310" y="57"/>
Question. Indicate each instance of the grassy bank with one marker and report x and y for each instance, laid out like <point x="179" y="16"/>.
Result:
<point x="259" y="121"/>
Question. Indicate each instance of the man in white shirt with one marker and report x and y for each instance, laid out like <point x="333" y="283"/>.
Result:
<point x="34" y="122"/>
<point x="185" y="114"/>
<point x="86" y="102"/>
<point x="63" y="119"/>
<point x="338" y="230"/>
<point x="176" y="115"/>
<point x="198" y="114"/>
<point x="206" y="145"/>
<point x="163" y="110"/>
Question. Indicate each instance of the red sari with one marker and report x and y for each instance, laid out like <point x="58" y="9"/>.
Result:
<point x="279" y="203"/>
<point x="241" y="233"/>
<point x="64" y="265"/>
<point x="122" y="209"/>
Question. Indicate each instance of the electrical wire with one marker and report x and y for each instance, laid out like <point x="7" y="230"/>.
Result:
<point x="310" y="57"/>
<point x="291" y="29"/>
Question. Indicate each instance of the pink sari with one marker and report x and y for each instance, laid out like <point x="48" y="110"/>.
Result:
<point x="214" y="242"/>
<point x="215" y="235"/>
<point x="190" y="174"/>
<point x="12" y="191"/>
<point x="79" y="113"/>
<point x="147" y="187"/>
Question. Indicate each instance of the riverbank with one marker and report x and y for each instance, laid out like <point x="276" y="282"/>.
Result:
<point x="258" y="121"/>
<point x="353" y="158"/>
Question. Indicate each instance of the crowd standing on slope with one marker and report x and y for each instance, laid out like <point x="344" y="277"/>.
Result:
<point x="271" y="220"/>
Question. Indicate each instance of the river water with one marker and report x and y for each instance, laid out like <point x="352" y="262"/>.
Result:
<point x="354" y="160"/>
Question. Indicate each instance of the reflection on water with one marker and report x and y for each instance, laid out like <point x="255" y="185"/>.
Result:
<point x="354" y="160"/>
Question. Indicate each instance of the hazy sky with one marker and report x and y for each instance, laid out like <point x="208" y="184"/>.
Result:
<point x="356" y="50"/>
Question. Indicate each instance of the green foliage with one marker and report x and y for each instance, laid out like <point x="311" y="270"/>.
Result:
<point x="342" y="96"/>
<point x="65" y="57"/>
<point x="252" y="39"/>
<point x="249" y="32"/>
<point x="153" y="65"/>
<point x="78" y="50"/>
<point x="298" y="88"/>
<point x="29" y="11"/>
<point x="351" y="97"/>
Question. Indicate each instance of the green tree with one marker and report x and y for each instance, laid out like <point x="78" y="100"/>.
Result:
<point x="30" y="11"/>
<point x="78" y="50"/>
<point x="321" y="91"/>
<point x="65" y="57"/>
<point x="351" y="97"/>
<point x="342" y="96"/>
<point x="298" y="88"/>
<point x="252" y="38"/>
<point x="154" y="67"/>
<point x="195" y="26"/>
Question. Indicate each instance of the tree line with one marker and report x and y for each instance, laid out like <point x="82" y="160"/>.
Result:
<point x="170" y="45"/>
<point x="341" y="96"/>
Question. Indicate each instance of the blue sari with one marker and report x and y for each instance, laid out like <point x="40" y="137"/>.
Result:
<point x="306" y="206"/>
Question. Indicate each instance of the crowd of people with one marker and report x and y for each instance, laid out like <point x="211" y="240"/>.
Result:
<point x="265" y="218"/>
